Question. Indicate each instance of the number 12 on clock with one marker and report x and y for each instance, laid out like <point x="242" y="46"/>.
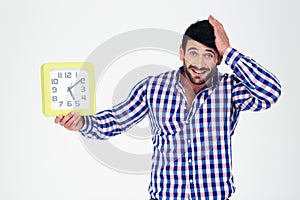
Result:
<point x="68" y="87"/>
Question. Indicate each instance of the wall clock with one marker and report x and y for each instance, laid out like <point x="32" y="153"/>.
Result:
<point x="68" y="86"/>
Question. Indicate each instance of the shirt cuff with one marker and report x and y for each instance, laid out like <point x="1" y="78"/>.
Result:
<point x="232" y="56"/>
<point x="88" y="125"/>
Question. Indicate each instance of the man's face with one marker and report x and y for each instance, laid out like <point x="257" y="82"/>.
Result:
<point x="199" y="62"/>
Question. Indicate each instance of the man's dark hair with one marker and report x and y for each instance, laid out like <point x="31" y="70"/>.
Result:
<point x="201" y="31"/>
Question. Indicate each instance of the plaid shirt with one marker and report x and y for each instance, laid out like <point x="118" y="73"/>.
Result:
<point x="192" y="156"/>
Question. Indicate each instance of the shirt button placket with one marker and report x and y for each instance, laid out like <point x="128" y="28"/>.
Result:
<point x="191" y="181"/>
<point x="190" y="146"/>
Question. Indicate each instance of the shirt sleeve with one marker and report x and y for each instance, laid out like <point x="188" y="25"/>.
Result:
<point x="119" y="118"/>
<point x="255" y="88"/>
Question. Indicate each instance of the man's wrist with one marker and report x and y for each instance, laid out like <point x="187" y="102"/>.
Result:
<point x="231" y="56"/>
<point x="226" y="52"/>
<point x="82" y="123"/>
<point x="87" y="124"/>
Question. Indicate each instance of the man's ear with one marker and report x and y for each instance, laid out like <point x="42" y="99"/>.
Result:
<point x="219" y="60"/>
<point x="181" y="53"/>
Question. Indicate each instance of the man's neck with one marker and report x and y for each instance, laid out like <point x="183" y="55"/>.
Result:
<point x="189" y="86"/>
<point x="190" y="89"/>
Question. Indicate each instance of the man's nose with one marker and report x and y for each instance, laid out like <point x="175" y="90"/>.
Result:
<point x="199" y="62"/>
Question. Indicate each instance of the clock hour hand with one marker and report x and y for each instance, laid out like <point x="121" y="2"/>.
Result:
<point x="69" y="90"/>
<point x="71" y="93"/>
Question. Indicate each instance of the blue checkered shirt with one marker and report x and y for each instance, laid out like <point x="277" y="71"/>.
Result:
<point x="192" y="156"/>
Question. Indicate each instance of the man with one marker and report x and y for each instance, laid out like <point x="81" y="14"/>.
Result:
<point x="193" y="112"/>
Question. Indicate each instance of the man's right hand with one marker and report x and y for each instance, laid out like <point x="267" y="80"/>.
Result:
<point x="72" y="121"/>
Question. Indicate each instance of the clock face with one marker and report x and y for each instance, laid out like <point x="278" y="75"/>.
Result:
<point x="68" y="86"/>
<point x="69" y="89"/>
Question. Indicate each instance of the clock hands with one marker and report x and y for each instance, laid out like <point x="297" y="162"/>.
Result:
<point x="71" y="93"/>
<point x="72" y="86"/>
<point x="80" y="81"/>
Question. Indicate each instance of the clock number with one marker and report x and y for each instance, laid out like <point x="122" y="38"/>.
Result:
<point x="83" y="80"/>
<point x="54" y="98"/>
<point x="59" y="75"/>
<point x="60" y="103"/>
<point x="68" y="74"/>
<point x="77" y="103"/>
<point x="82" y="89"/>
<point x="83" y="97"/>
<point x="54" y="81"/>
<point x="54" y="89"/>
<point x="69" y="103"/>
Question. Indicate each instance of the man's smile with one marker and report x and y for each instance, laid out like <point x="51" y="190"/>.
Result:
<point x="198" y="71"/>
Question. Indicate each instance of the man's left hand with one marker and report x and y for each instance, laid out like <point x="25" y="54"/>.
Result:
<point x="222" y="41"/>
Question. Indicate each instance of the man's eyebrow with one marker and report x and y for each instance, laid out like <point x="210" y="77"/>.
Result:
<point x="195" y="48"/>
<point x="192" y="48"/>
<point x="210" y="51"/>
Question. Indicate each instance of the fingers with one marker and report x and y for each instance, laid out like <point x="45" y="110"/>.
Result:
<point x="218" y="27"/>
<point x="77" y="122"/>
<point x="69" y="121"/>
<point x="222" y="41"/>
<point x="214" y="22"/>
<point x="58" y="119"/>
<point x="72" y="121"/>
<point x="66" y="119"/>
<point x="211" y="19"/>
<point x="72" y="124"/>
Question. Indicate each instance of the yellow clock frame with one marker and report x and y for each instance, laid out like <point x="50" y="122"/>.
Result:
<point x="46" y="88"/>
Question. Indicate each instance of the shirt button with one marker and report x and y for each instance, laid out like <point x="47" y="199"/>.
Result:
<point x="189" y="141"/>
<point x="190" y="160"/>
<point x="191" y="181"/>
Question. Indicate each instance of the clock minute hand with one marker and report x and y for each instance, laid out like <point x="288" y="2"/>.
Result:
<point x="75" y="84"/>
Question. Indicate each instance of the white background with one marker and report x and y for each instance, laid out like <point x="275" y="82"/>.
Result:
<point x="40" y="160"/>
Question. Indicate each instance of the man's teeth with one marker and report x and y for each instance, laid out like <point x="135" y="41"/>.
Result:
<point x="199" y="71"/>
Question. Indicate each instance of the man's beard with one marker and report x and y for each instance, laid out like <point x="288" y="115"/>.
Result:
<point x="198" y="80"/>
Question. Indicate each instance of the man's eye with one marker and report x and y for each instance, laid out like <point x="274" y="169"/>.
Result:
<point x="208" y="56"/>
<point x="193" y="53"/>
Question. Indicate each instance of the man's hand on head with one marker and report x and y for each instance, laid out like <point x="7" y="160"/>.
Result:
<point x="72" y="121"/>
<point x="222" y="41"/>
